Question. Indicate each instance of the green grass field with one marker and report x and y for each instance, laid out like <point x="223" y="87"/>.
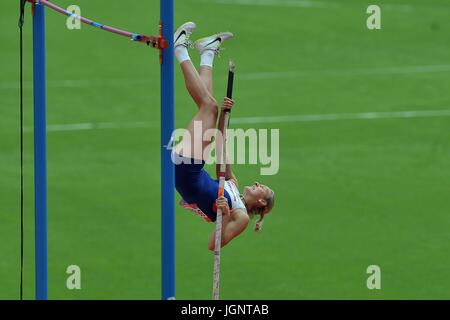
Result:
<point x="350" y="193"/>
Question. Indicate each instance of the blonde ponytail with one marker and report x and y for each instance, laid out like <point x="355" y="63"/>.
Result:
<point x="259" y="223"/>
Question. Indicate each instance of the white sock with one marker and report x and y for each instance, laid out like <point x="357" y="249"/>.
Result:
<point x="181" y="53"/>
<point x="207" y="58"/>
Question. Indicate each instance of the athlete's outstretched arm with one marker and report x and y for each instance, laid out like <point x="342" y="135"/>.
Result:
<point x="233" y="225"/>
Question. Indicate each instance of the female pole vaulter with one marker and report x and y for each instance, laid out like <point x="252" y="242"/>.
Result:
<point x="198" y="190"/>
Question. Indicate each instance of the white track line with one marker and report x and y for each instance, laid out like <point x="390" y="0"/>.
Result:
<point x="256" y="120"/>
<point x="99" y="125"/>
<point x="343" y="116"/>
<point x="80" y="83"/>
<point x="347" y="72"/>
<point x="311" y="4"/>
<point x="278" y="3"/>
<point x="14" y="85"/>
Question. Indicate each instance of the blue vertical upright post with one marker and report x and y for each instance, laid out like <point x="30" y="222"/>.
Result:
<point x="167" y="166"/>
<point x="40" y="153"/>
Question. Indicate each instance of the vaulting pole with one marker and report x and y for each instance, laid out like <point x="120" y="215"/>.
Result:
<point x="40" y="152"/>
<point x="167" y="166"/>
<point x="222" y="175"/>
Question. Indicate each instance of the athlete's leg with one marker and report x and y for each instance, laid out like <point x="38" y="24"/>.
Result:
<point x="206" y="75"/>
<point x="193" y="144"/>
<point x="208" y="48"/>
<point x="197" y="88"/>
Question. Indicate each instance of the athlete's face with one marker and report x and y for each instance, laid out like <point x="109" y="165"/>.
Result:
<point x="256" y="194"/>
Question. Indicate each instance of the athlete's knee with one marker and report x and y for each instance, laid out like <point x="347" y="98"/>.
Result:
<point x="210" y="104"/>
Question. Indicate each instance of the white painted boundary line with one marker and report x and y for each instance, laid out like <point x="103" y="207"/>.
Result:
<point x="80" y="83"/>
<point x="347" y="72"/>
<point x="99" y="125"/>
<point x="279" y="3"/>
<point x="401" y="7"/>
<point x="256" y="120"/>
<point x="14" y="85"/>
<point x="343" y="116"/>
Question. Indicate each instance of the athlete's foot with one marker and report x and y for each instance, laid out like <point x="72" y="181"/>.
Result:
<point x="212" y="42"/>
<point x="181" y="36"/>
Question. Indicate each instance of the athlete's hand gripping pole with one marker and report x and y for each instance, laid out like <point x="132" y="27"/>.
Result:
<point x="223" y="165"/>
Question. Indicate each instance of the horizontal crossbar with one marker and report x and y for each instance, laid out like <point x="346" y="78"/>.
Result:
<point x="157" y="42"/>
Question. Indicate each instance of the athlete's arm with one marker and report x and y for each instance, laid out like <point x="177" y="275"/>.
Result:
<point x="233" y="225"/>
<point x="227" y="104"/>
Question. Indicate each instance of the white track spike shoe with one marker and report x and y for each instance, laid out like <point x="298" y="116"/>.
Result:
<point x="181" y="36"/>
<point x="212" y="42"/>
